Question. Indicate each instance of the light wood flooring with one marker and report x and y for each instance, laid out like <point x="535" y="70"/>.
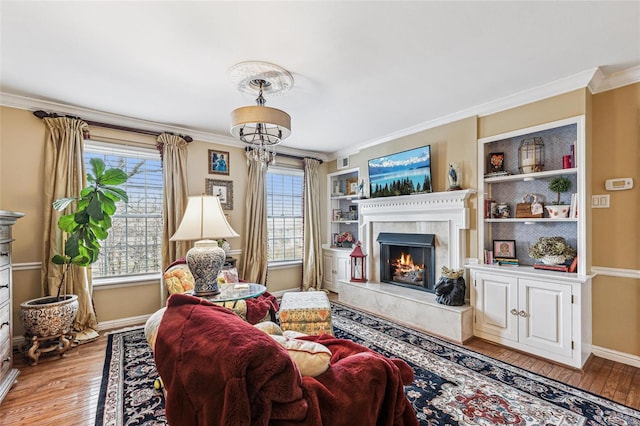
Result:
<point x="65" y="391"/>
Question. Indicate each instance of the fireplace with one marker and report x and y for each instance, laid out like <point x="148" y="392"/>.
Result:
<point x="408" y="260"/>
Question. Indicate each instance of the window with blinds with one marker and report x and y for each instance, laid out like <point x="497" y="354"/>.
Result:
<point x="284" y="214"/>
<point x="134" y="244"/>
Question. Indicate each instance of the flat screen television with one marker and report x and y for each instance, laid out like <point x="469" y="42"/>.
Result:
<point x="403" y="173"/>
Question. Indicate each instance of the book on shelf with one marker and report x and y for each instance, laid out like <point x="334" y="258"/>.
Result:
<point x="561" y="268"/>
<point x="496" y="174"/>
<point x="507" y="261"/>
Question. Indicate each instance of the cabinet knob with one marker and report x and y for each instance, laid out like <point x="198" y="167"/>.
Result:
<point x="4" y="286"/>
<point x="4" y="253"/>
<point x="4" y="323"/>
<point x="523" y="314"/>
<point x="514" y="311"/>
<point x="7" y="359"/>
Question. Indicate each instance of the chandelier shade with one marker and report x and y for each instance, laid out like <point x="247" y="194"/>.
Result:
<point x="260" y="125"/>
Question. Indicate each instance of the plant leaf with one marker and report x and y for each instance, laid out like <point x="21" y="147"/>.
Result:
<point x="97" y="165"/>
<point x="113" y="177"/>
<point x="61" y="203"/>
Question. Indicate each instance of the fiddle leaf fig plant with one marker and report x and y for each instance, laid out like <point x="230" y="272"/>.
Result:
<point x="89" y="223"/>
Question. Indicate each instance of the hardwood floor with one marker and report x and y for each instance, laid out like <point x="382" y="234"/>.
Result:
<point x="65" y="391"/>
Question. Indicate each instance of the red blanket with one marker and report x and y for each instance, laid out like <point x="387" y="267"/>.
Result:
<point x="220" y="370"/>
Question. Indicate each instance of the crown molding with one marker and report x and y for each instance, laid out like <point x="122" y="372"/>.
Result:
<point x="603" y="83"/>
<point x="593" y="79"/>
<point x="33" y="104"/>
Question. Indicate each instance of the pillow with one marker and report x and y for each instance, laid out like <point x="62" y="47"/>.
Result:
<point x="151" y="327"/>
<point x="311" y="358"/>
<point x="178" y="279"/>
<point x="269" y="327"/>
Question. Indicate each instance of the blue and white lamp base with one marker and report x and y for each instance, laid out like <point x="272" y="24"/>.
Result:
<point x="205" y="260"/>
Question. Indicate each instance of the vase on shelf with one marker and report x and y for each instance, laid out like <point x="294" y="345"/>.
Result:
<point x="553" y="260"/>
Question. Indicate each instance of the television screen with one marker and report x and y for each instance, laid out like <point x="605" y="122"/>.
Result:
<point x="403" y="173"/>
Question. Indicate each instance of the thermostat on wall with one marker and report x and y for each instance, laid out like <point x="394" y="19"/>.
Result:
<point x="618" y="184"/>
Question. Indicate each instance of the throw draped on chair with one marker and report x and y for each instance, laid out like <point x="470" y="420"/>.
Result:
<point x="254" y="265"/>
<point x="176" y="192"/>
<point x="312" y="265"/>
<point x="65" y="176"/>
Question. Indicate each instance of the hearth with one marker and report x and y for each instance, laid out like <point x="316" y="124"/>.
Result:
<point x="408" y="260"/>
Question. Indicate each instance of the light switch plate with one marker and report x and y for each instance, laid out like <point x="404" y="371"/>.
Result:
<point x="600" y="201"/>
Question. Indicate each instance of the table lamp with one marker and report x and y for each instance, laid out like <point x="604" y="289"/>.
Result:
<point x="204" y="221"/>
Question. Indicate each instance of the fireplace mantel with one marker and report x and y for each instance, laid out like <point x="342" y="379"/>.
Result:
<point x="449" y="208"/>
<point x="445" y="214"/>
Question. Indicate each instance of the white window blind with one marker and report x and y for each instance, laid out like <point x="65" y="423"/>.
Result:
<point x="284" y="214"/>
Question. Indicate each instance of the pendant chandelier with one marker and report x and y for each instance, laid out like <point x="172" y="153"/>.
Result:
<point x="260" y="127"/>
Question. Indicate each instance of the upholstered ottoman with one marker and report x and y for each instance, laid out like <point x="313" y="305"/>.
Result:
<point x="308" y="312"/>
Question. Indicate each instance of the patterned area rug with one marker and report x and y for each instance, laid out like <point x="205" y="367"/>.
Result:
<point x="452" y="385"/>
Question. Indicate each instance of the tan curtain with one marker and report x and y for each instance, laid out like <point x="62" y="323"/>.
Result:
<point x="176" y="193"/>
<point x="312" y="264"/>
<point x="254" y="265"/>
<point x="65" y="176"/>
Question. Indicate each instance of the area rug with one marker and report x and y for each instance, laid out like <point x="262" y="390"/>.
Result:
<point x="452" y="385"/>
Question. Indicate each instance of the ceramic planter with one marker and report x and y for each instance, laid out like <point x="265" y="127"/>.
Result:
<point x="47" y="317"/>
<point x="557" y="211"/>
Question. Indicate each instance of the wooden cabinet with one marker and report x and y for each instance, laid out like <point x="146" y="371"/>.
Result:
<point x="538" y="313"/>
<point x="8" y="374"/>
<point x="337" y="267"/>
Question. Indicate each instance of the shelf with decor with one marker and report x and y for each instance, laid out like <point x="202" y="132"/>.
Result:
<point x="517" y="303"/>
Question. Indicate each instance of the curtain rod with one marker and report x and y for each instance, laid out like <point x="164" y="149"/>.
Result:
<point x="42" y="114"/>
<point x="282" y="154"/>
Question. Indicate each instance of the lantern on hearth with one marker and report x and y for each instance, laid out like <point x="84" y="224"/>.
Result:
<point x="358" y="264"/>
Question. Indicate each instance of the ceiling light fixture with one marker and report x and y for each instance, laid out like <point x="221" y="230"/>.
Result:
<point x="260" y="127"/>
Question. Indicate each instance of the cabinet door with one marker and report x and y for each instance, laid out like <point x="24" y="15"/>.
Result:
<point x="496" y="305"/>
<point x="329" y="273"/>
<point x="545" y="316"/>
<point x="343" y="267"/>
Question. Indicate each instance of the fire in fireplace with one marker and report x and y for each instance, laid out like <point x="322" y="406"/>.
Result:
<point x="407" y="260"/>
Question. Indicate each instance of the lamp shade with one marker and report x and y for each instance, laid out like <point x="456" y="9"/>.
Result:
<point x="203" y="219"/>
<point x="260" y="124"/>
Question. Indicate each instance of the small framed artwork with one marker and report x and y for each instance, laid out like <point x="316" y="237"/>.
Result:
<point x="334" y="239"/>
<point x="352" y="186"/>
<point x="337" y="215"/>
<point x="504" y="248"/>
<point x="496" y="162"/>
<point x="223" y="189"/>
<point x="218" y="162"/>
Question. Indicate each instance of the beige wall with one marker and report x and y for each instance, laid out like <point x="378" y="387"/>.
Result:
<point x="21" y="180"/>
<point x="616" y="230"/>
<point x="613" y="141"/>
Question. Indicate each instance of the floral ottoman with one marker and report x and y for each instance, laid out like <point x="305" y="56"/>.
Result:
<point x="307" y="312"/>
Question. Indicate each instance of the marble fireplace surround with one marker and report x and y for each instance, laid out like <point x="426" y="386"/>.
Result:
<point x="445" y="214"/>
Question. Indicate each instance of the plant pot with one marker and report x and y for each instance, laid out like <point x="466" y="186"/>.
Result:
<point x="557" y="211"/>
<point x="553" y="260"/>
<point x="48" y="317"/>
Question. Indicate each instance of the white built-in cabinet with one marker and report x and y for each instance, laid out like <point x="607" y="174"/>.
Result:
<point x="539" y="314"/>
<point x="342" y="214"/>
<point x="337" y="267"/>
<point x="545" y="313"/>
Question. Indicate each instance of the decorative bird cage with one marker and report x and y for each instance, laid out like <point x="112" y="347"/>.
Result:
<point x="531" y="155"/>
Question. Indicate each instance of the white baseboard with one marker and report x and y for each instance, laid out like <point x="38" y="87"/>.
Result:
<point x="123" y="322"/>
<point x="621" y="357"/>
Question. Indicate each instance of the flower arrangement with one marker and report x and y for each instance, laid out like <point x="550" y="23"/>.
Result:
<point x="345" y="239"/>
<point x="552" y="246"/>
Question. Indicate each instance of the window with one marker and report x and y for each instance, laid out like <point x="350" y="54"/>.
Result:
<point x="134" y="244"/>
<point x="284" y="214"/>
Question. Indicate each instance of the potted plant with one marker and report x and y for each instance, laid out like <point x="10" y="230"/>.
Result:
<point x="558" y="209"/>
<point x="51" y="316"/>
<point x="552" y="250"/>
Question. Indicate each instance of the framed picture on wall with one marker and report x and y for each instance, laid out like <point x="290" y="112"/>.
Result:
<point x="223" y="189"/>
<point x="218" y="162"/>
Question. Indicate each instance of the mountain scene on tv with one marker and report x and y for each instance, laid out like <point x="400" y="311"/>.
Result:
<point x="403" y="173"/>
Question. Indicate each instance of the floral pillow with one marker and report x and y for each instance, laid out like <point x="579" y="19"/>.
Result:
<point x="178" y="279"/>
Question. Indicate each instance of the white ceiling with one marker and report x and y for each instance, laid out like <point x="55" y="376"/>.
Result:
<point x="364" y="71"/>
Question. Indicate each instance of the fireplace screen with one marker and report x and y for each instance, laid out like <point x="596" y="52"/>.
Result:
<point x="407" y="260"/>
